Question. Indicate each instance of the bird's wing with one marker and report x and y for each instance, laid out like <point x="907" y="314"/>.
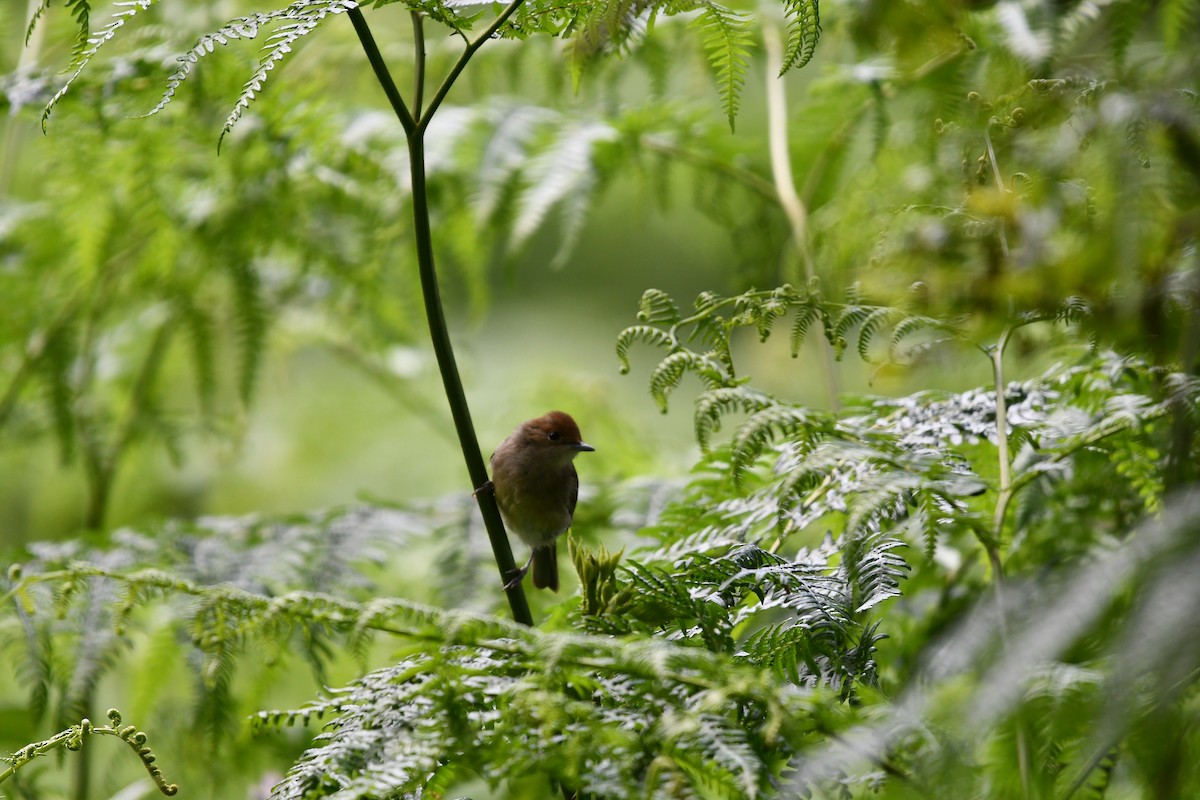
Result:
<point x="572" y="489"/>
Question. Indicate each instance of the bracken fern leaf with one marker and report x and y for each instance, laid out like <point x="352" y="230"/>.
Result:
<point x="727" y="42"/>
<point x="804" y="29"/>
<point x="87" y="49"/>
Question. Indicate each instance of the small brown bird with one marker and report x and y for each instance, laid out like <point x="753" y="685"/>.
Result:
<point x="536" y="487"/>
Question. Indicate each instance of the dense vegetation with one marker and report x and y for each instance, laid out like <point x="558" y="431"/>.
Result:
<point x="973" y="591"/>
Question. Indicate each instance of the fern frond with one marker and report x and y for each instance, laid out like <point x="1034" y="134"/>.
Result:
<point x="754" y="435"/>
<point x="715" y="403"/>
<point x="603" y="26"/>
<point x="656" y="306"/>
<point x="308" y="15"/>
<point x="666" y="376"/>
<point x="247" y="27"/>
<point x="55" y="366"/>
<point x="250" y="308"/>
<point x="1177" y="17"/>
<point x="804" y="29"/>
<point x="641" y="333"/>
<point x="873" y="568"/>
<point x="201" y="333"/>
<point x="34" y="18"/>
<point x="563" y="174"/>
<point x="727" y="41"/>
<point x="907" y="327"/>
<point x="85" y="51"/>
<point x="806" y="314"/>
<point x="1125" y="16"/>
<point x="871" y="324"/>
<point x="849" y="317"/>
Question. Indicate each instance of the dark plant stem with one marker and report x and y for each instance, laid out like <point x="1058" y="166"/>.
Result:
<point x="381" y="71"/>
<point x="438" y="331"/>
<point x="418" y="22"/>
<point x="444" y="352"/>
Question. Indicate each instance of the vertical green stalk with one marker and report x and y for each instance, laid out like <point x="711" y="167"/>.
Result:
<point x="414" y="128"/>
<point x="993" y="547"/>
<point x="1005" y="463"/>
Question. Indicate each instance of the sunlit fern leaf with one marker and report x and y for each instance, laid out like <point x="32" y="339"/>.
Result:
<point x="881" y="496"/>
<point x="308" y="14"/>
<point x="457" y="15"/>
<point x="88" y="49"/>
<point x="640" y="333"/>
<point x="872" y="567"/>
<point x="714" y="754"/>
<point x="562" y="174"/>
<point x="727" y="42"/>
<point x="511" y="130"/>
<point x="713" y="404"/>
<point x="754" y="435"/>
<point x="247" y="27"/>
<point x="804" y="29"/>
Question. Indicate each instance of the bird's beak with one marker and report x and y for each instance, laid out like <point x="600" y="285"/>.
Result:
<point x="584" y="447"/>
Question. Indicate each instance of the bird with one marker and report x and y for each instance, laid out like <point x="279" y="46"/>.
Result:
<point x="536" y="486"/>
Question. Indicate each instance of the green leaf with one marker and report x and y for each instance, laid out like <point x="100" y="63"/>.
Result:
<point x="727" y="41"/>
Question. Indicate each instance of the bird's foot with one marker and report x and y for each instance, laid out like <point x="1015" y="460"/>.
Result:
<point x="487" y="487"/>
<point x="515" y="576"/>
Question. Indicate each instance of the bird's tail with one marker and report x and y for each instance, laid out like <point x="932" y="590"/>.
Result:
<point x="545" y="567"/>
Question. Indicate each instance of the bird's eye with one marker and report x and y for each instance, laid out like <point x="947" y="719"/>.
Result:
<point x="554" y="436"/>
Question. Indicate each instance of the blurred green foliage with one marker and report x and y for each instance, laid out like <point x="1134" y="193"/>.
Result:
<point x="985" y="591"/>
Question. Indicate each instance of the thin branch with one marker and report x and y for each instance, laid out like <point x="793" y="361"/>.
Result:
<point x="435" y="314"/>
<point x="381" y="71"/>
<point x="459" y="409"/>
<point x="461" y="64"/>
<point x="418" y="23"/>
